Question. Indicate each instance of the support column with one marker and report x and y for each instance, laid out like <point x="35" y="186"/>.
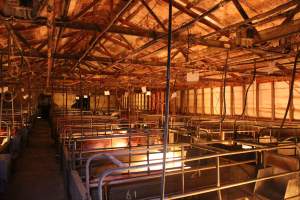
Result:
<point x="257" y="98"/>
<point x="181" y="101"/>
<point x="195" y="101"/>
<point x="211" y="101"/>
<point x="273" y="99"/>
<point x="203" y="103"/>
<point x="108" y="103"/>
<point x="221" y="101"/>
<point x="292" y="108"/>
<point x="232" y="101"/>
<point x="66" y="101"/>
<point x="244" y="97"/>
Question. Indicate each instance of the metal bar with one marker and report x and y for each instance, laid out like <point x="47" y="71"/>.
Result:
<point x="291" y="89"/>
<point x="233" y="185"/>
<point x="2" y="91"/>
<point x="109" y="171"/>
<point x="51" y="29"/>
<point x="182" y="170"/>
<point x="167" y="102"/>
<point x="171" y="173"/>
<point x="218" y="178"/>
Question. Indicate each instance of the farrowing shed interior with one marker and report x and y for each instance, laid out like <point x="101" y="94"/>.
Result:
<point x="149" y="99"/>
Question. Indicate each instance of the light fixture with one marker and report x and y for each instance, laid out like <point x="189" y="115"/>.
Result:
<point x="22" y="89"/>
<point x="106" y="93"/>
<point x="192" y="76"/>
<point x="148" y="93"/>
<point x="25" y="96"/>
<point x="85" y="96"/>
<point x="174" y="95"/>
<point x="4" y="89"/>
<point x="77" y="97"/>
<point x="144" y="89"/>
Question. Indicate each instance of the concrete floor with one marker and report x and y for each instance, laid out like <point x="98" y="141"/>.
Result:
<point x="36" y="174"/>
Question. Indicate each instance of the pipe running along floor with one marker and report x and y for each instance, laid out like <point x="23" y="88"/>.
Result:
<point x="37" y="174"/>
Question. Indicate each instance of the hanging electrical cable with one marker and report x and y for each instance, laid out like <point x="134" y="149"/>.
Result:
<point x="224" y="88"/>
<point x="13" y="112"/>
<point x="246" y="96"/>
<point x="2" y="94"/>
<point x="223" y="114"/>
<point x="291" y="92"/>
<point x="167" y="96"/>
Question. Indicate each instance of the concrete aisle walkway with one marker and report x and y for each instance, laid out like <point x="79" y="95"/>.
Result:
<point x="37" y="173"/>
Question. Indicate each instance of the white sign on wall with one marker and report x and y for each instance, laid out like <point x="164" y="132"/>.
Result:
<point x="192" y="76"/>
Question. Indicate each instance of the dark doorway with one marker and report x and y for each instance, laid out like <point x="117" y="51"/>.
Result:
<point x="26" y="3"/>
<point x="44" y="105"/>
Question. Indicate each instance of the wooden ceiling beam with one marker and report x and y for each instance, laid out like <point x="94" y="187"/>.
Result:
<point x="107" y="60"/>
<point x="85" y="10"/>
<point x="117" y="42"/>
<point x="193" y="15"/>
<point x="123" y="7"/>
<point x="154" y="16"/>
<point x="279" y="31"/>
<point x="128" y="31"/>
<point x="291" y="14"/>
<point x="279" y="9"/>
<point x="240" y="9"/>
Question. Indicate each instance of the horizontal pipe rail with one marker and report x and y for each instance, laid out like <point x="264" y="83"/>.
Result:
<point x="218" y="155"/>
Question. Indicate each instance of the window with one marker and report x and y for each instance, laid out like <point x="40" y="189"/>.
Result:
<point x="238" y="100"/>
<point x="216" y="100"/>
<point x="191" y="101"/>
<point x="251" y="100"/>
<point x="265" y="99"/>
<point x="281" y="98"/>
<point x="199" y="101"/>
<point x="207" y="100"/>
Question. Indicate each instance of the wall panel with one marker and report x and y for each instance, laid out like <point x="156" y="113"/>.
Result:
<point x="191" y="101"/>
<point x="238" y="100"/>
<point x="281" y="98"/>
<point x="207" y="100"/>
<point x="216" y="100"/>
<point x="228" y="100"/>
<point x="265" y="100"/>
<point x="296" y="100"/>
<point x="251" y="101"/>
<point x="199" y="101"/>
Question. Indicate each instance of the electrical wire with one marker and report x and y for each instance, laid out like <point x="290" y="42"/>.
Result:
<point x="246" y="96"/>
<point x="224" y="87"/>
<point x="223" y="114"/>
<point x="291" y="92"/>
<point x="2" y="94"/>
<point x="166" y="123"/>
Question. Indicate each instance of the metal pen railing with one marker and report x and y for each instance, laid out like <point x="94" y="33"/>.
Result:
<point x="217" y="156"/>
<point x="76" y="150"/>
